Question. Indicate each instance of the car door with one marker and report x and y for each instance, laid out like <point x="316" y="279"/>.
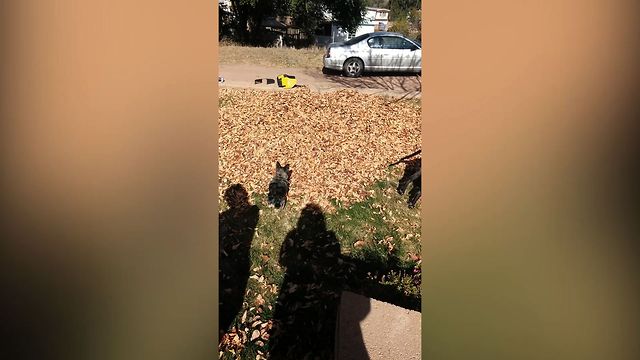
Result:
<point x="412" y="56"/>
<point x="376" y="53"/>
<point x="403" y="54"/>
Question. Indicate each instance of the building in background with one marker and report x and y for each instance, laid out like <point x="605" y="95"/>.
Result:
<point x="374" y="19"/>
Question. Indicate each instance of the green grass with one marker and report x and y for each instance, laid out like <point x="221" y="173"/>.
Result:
<point x="380" y="220"/>
<point x="379" y="231"/>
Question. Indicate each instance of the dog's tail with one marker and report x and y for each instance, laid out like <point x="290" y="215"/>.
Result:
<point x="406" y="157"/>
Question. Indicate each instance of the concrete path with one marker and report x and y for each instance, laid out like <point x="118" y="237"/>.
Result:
<point x="244" y="75"/>
<point x="369" y="329"/>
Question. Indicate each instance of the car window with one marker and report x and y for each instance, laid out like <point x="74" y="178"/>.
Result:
<point x="394" y="42"/>
<point x="356" y="39"/>
<point x="375" y="42"/>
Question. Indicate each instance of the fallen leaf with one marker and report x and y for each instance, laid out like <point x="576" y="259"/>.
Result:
<point x="255" y="334"/>
<point x="342" y="135"/>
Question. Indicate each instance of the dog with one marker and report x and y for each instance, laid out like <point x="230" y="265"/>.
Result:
<point x="412" y="175"/>
<point x="279" y="186"/>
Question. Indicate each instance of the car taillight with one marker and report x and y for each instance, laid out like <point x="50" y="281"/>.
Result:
<point x="328" y="53"/>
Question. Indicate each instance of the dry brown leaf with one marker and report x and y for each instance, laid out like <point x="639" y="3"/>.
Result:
<point x="259" y="300"/>
<point x="337" y="143"/>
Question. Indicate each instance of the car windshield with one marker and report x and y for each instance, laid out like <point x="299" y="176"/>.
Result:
<point x="356" y="39"/>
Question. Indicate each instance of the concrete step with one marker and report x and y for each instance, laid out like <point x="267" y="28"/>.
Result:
<point x="372" y="329"/>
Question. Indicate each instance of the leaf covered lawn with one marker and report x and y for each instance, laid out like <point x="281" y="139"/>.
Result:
<point x="337" y="143"/>
<point x="344" y="226"/>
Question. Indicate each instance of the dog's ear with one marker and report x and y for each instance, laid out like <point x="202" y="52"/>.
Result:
<point x="278" y="166"/>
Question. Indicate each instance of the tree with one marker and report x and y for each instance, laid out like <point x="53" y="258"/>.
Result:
<point x="225" y="22"/>
<point x="400" y="8"/>
<point x="249" y="13"/>
<point x="378" y="3"/>
<point x="405" y="17"/>
<point x="347" y="13"/>
<point x="306" y="14"/>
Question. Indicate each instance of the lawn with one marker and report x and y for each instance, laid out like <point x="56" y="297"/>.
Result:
<point x="310" y="58"/>
<point x="344" y="228"/>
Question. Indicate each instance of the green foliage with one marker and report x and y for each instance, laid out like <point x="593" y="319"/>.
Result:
<point x="378" y="3"/>
<point x="407" y="284"/>
<point x="400" y="8"/>
<point x="401" y="25"/>
<point x="348" y="13"/>
<point x="306" y="14"/>
<point x="414" y="16"/>
<point x="405" y="17"/>
<point x="309" y="14"/>
<point x="224" y="23"/>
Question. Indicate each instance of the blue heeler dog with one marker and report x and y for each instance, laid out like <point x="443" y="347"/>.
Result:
<point x="279" y="186"/>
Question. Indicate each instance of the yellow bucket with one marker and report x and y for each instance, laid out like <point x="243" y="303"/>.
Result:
<point x="287" y="81"/>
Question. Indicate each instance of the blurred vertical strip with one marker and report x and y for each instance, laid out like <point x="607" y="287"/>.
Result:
<point x="530" y="208"/>
<point x="108" y="179"/>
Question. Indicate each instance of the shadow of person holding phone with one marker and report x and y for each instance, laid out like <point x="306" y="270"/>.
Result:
<point x="306" y="311"/>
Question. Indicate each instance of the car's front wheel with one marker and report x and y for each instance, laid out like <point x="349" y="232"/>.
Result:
<point x="353" y="67"/>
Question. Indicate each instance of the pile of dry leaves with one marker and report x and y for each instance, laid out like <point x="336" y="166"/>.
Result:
<point x="337" y="143"/>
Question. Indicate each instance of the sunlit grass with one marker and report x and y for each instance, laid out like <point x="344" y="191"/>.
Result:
<point x="309" y="58"/>
<point x="376" y="230"/>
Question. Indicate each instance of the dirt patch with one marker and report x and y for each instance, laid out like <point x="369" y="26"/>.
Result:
<point x="337" y="143"/>
<point x="410" y="84"/>
<point x="407" y="86"/>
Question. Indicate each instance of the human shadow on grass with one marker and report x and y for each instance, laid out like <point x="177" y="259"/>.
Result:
<point x="306" y="310"/>
<point x="237" y="227"/>
<point x="305" y="316"/>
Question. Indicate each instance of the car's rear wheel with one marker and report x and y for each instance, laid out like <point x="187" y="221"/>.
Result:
<point x="353" y="67"/>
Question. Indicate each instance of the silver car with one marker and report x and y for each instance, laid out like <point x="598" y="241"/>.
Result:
<point x="377" y="51"/>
